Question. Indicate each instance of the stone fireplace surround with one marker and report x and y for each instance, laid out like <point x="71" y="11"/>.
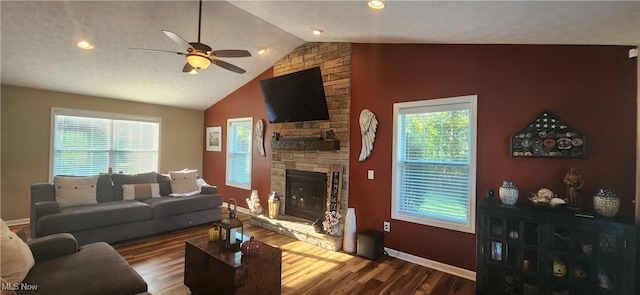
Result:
<point x="334" y="60"/>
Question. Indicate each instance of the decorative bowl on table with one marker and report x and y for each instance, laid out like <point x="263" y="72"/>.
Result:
<point x="546" y="199"/>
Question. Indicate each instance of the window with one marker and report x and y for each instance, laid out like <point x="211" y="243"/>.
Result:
<point x="87" y="143"/>
<point x="239" y="152"/>
<point x="434" y="166"/>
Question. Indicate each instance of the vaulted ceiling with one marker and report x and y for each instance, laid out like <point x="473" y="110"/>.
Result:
<point x="38" y="38"/>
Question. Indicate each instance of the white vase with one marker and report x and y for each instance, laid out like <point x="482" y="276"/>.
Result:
<point x="349" y="239"/>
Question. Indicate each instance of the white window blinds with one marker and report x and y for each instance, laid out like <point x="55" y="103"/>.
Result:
<point x="434" y="167"/>
<point x="239" y="152"/>
<point x="88" y="143"/>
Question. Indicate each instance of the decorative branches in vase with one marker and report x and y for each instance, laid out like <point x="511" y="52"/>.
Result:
<point x="331" y="223"/>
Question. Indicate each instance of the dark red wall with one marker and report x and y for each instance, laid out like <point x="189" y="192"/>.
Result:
<point x="591" y="88"/>
<point x="244" y="102"/>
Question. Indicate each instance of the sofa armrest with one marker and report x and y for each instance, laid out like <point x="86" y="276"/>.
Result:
<point x="209" y="189"/>
<point x="39" y="210"/>
<point x="53" y="246"/>
<point x="40" y="192"/>
<point x="46" y="208"/>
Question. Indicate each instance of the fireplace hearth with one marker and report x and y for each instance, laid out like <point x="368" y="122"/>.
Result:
<point x="306" y="194"/>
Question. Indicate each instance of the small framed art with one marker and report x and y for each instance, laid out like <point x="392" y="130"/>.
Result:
<point x="214" y="139"/>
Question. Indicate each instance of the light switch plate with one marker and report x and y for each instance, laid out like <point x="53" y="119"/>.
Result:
<point x="370" y="174"/>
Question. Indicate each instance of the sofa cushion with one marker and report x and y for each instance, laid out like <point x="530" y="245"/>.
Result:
<point x="184" y="181"/>
<point x="75" y="191"/>
<point x="140" y="191"/>
<point x="168" y="206"/>
<point x="78" y="218"/>
<point x="95" y="269"/>
<point x="104" y="192"/>
<point x="165" y="184"/>
<point x="120" y="179"/>
<point x="17" y="258"/>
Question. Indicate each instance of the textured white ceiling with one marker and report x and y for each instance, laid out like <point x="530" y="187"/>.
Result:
<point x="38" y="38"/>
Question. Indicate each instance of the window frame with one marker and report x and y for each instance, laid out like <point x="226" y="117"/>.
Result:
<point x="229" y="144"/>
<point x="56" y="111"/>
<point x="432" y="105"/>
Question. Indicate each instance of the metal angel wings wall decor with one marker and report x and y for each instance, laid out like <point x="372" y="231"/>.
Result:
<point x="259" y="136"/>
<point x="368" y="126"/>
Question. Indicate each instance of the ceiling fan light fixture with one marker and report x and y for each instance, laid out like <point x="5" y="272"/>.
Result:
<point x="262" y="50"/>
<point x="193" y="72"/>
<point x="198" y="61"/>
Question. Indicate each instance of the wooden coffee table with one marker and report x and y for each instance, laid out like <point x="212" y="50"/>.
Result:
<point x="210" y="268"/>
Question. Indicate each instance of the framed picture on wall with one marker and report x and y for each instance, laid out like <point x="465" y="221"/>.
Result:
<point x="214" y="139"/>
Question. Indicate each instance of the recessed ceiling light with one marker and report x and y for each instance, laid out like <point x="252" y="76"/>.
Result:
<point x="262" y="50"/>
<point x="84" y="45"/>
<point x="376" y="4"/>
<point x="317" y="32"/>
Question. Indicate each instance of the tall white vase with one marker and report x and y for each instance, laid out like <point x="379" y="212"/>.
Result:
<point x="349" y="239"/>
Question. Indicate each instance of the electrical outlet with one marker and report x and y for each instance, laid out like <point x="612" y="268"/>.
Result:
<point x="387" y="226"/>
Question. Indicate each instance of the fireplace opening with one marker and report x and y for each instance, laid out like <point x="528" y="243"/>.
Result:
<point x="306" y="194"/>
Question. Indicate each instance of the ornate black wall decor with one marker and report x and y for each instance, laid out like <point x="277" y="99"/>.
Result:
<point x="548" y="137"/>
<point x="335" y="193"/>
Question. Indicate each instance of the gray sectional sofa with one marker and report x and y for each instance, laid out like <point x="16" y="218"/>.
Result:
<point x="112" y="219"/>
<point x="62" y="267"/>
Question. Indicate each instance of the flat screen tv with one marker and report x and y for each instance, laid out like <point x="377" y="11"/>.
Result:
<point x="295" y="97"/>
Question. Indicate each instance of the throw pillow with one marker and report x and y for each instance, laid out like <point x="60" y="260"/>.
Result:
<point x="140" y="191"/>
<point x="9" y="290"/>
<point x="183" y="181"/>
<point x="120" y="179"/>
<point x="75" y="191"/>
<point x="17" y="258"/>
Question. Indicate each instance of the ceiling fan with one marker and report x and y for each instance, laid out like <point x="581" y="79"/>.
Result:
<point x="201" y="56"/>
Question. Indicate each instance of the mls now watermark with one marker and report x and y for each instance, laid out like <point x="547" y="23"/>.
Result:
<point x="19" y="287"/>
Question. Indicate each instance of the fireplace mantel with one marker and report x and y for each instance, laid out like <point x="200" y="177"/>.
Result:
<point x="319" y="145"/>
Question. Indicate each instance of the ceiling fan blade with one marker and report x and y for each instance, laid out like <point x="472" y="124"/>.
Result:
<point x="178" y="39"/>
<point x="228" y="66"/>
<point x="187" y="68"/>
<point x="231" y="53"/>
<point x="158" y="50"/>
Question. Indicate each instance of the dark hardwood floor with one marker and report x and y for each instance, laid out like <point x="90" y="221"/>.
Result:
<point x="306" y="269"/>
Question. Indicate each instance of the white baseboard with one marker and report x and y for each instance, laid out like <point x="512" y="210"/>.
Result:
<point x="454" y="270"/>
<point x="15" y="222"/>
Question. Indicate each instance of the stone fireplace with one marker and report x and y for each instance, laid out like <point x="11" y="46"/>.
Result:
<point x="306" y="194"/>
<point x="334" y="60"/>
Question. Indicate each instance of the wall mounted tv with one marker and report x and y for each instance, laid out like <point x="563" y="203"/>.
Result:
<point x="295" y="97"/>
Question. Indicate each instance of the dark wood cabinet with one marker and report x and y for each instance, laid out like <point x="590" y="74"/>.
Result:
<point x="525" y="250"/>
